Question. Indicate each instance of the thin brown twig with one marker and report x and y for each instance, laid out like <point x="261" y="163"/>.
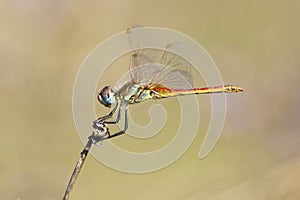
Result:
<point x="99" y="134"/>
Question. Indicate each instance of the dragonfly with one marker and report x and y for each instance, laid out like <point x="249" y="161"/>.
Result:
<point x="154" y="74"/>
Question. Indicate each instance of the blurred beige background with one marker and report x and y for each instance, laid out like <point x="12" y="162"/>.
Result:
<point x="255" y="45"/>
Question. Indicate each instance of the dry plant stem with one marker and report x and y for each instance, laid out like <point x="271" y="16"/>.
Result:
<point x="98" y="135"/>
<point x="78" y="167"/>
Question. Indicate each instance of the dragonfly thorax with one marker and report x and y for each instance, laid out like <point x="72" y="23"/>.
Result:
<point x="107" y="96"/>
<point x="135" y="93"/>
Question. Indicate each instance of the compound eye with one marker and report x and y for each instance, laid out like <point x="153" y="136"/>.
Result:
<point x="106" y="96"/>
<point x="105" y="92"/>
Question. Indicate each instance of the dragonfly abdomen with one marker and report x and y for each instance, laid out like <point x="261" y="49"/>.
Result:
<point x="157" y="91"/>
<point x="210" y="90"/>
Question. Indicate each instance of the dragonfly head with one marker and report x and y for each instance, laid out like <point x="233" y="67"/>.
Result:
<point x="107" y="96"/>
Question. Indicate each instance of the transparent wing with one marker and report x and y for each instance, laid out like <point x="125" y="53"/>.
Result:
<point x="176" y="73"/>
<point x="168" y="67"/>
<point x="144" y="51"/>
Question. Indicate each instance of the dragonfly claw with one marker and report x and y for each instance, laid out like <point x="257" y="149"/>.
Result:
<point x="100" y="131"/>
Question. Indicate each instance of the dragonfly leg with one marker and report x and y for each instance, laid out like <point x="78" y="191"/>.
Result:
<point x="118" y="116"/>
<point x="109" y="115"/>
<point x="97" y="122"/>
<point x="125" y="127"/>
